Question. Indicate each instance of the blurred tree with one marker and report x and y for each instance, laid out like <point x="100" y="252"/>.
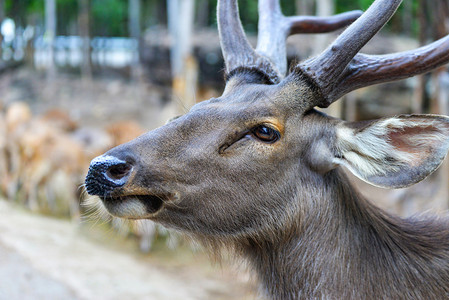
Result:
<point x="440" y="24"/>
<point x="134" y="31"/>
<point x="2" y="16"/>
<point x="288" y="7"/>
<point x="134" y="18"/>
<point x="20" y="10"/>
<point x="433" y="18"/>
<point x="109" y="17"/>
<point x="84" y="32"/>
<point x="16" y="11"/>
<point x="407" y="17"/>
<point x="180" y="20"/>
<point x="153" y="12"/>
<point x="68" y="17"/>
<point x="50" y="33"/>
<point x="183" y="65"/>
<point x="440" y="18"/>
<point x="304" y="7"/>
<point x="203" y="11"/>
<point x="112" y="17"/>
<point x="248" y="14"/>
<point x="103" y="11"/>
<point x="324" y="8"/>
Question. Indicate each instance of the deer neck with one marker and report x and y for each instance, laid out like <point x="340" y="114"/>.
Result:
<point x="344" y="250"/>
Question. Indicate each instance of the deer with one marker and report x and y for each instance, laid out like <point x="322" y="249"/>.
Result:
<point x="259" y="171"/>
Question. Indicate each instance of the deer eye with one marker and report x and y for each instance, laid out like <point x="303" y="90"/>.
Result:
<point x="266" y="134"/>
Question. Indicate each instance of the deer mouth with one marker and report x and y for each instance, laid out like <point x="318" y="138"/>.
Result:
<point x="134" y="206"/>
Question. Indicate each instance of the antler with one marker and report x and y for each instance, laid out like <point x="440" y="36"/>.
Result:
<point x="365" y="70"/>
<point x="237" y="51"/>
<point x="274" y="28"/>
<point x="339" y="69"/>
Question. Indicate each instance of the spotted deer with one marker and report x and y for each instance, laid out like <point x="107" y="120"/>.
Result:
<point x="258" y="170"/>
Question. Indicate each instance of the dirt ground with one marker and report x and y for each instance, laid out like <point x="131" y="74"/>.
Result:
<point x="47" y="258"/>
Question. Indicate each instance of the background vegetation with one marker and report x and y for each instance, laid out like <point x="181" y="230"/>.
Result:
<point x="110" y="17"/>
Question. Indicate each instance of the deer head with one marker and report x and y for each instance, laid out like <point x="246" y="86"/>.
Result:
<point x="251" y="161"/>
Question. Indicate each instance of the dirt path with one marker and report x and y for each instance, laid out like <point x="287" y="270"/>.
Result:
<point x="20" y="280"/>
<point x="45" y="258"/>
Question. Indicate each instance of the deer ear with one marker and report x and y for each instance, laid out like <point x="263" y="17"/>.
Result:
<point x="394" y="152"/>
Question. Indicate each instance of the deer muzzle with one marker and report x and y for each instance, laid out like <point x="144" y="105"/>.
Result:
<point x="111" y="177"/>
<point x="106" y="174"/>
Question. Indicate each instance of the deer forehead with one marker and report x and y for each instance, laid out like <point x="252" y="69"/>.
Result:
<point x="256" y="103"/>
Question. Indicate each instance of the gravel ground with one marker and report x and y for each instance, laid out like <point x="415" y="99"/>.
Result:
<point x="19" y="279"/>
<point x="46" y="258"/>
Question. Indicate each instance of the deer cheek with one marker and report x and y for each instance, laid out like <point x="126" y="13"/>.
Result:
<point x="320" y="158"/>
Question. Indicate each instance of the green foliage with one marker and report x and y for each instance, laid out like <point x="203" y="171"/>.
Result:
<point x="398" y="23"/>
<point x="248" y="14"/>
<point x="288" y="7"/>
<point x="109" y="17"/>
<point x="345" y="5"/>
<point x="35" y="7"/>
<point x="67" y="13"/>
<point x="20" y="10"/>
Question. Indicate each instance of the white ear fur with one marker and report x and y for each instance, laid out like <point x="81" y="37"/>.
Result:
<point x="394" y="152"/>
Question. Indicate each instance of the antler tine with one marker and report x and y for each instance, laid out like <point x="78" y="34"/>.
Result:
<point x="271" y="40"/>
<point x="327" y="69"/>
<point x="312" y="24"/>
<point x="365" y="70"/>
<point x="237" y="51"/>
<point x="274" y="28"/>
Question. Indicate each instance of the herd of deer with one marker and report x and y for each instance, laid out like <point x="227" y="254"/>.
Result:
<point x="258" y="170"/>
<point x="43" y="158"/>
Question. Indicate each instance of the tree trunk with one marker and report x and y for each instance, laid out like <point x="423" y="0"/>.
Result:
<point x="326" y="8"/>
<point x="440" y="105"/>
<point x="50" y="34"/>
<point x="203" y="13"/>
<point x="134" y="18"/>
<point x="134" y="32"/>
<point x="439" y="10"/>
<point x="440" y="18"/>
<point x="407" y="17"/>
<point x="183" y="64"/>
<point x="2" y="16"/>
<point x="180" y="19"/>
<point x="419" y="92"/>
<point x="84" y="32"/>
<point x="304" y="7"/>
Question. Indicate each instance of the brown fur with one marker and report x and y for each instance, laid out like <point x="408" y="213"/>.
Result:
<point x="124" y="131"/>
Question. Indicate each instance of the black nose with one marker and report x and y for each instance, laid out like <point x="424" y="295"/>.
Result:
<point x="107" y="173"/>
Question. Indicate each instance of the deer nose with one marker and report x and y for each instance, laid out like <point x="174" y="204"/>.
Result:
<point x="107" y="173"/>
